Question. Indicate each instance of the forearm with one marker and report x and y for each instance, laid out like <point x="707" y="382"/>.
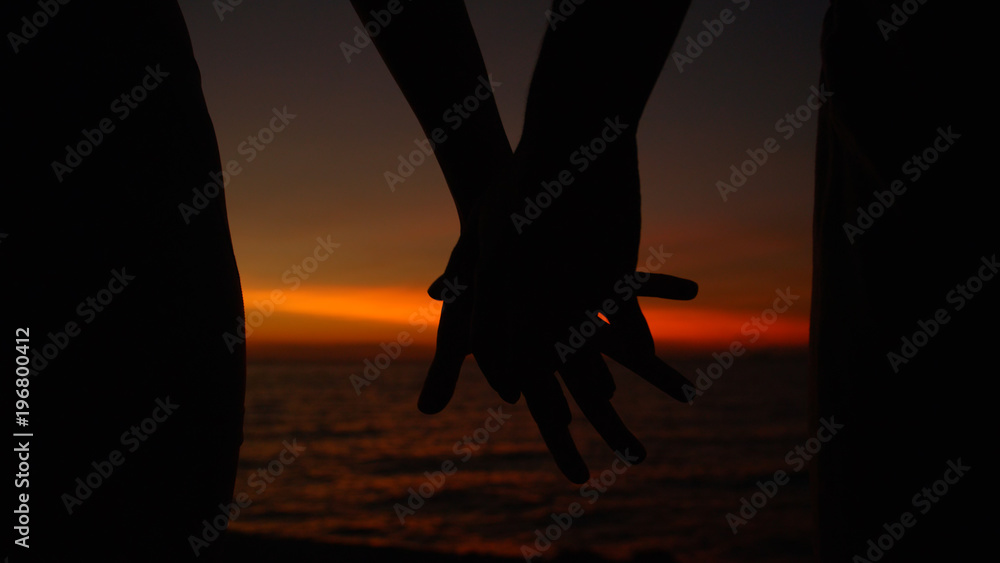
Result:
<point x="600" y="62"/>
<point x="432" y="52"/>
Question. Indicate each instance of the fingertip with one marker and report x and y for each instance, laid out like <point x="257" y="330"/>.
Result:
<point x="442" y="376"/>
<point x="662" y="376"/>
<point x="510" y="396"/>
<point x="637" y="450"/>
<point x="573" y="467"/>
<point x="679" y="388"/>
<point x="436" y="289"/>
<point x="630" y="450"/>
<point x="632" y="455"/>
<point x="669" y="287"/>
<point x="685" y="290"/>
<point x="693" y="290"/>
<point x="579" y="476"/>
<point x="430" y="404"/>
<point x="433" y="400"/>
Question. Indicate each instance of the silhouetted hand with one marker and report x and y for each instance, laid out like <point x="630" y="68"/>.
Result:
<point x="529" y="289"/>
<point x="556" y="286"/>
<point x="454" y="289"/>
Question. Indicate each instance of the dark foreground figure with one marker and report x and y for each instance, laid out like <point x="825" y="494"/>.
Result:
<point x="99" y="242"/>
<point x="127" y="299"/>
<point x="905" y="109"/>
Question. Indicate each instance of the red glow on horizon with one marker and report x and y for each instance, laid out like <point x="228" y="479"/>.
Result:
<point x="345" y="315"/>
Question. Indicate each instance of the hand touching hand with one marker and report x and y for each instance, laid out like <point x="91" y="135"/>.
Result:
<point x="549" y="298"/>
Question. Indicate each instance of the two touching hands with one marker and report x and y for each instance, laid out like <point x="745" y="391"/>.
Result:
<point x="541" y="282"/>
<point x="550" y="289"/>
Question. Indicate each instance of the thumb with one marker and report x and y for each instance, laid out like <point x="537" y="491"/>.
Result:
<point x="668" y="287"/>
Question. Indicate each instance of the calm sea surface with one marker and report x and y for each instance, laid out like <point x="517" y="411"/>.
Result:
<point x="363" y="453"/>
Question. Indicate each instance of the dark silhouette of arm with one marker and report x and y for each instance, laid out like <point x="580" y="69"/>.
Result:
<point x="601" y="61"/>
<point x="596" y="69"/>
<point x="432" y="52"/>
<point x="538" y="279"/>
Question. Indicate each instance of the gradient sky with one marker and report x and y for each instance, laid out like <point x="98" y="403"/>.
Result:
<point x="323" y="175"/>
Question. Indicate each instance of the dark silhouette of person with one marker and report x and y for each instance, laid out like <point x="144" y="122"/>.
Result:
<point x="136" y="400"/>
<point x="903" y="309"/>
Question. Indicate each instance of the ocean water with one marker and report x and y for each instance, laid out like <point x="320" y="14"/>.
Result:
<point x="361" y="454"/>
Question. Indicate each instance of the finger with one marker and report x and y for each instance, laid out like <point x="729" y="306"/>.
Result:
<point x="660" y="374"/>
<point x="586" y="369"/>
<point x="495" y="343"/>
<point x="668" y="287"/>
<point x="594" y="400"/>
<point x="450" y="351"/>
<point x="549" y="408"/>
<point x="630" y="343"/>
<point x="442" y="377"/>
<point x="627" y="335"/>
<point x="495" y="355"/>
<point x="458" y="270"/>
<point x="449" y="287"/>
<point x="437" y="288"/>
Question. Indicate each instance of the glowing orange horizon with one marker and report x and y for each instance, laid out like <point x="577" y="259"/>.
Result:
<point x="362" y="315"/>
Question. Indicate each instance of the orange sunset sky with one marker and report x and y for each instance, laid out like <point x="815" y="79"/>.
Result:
<point x="322" y="176"/>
